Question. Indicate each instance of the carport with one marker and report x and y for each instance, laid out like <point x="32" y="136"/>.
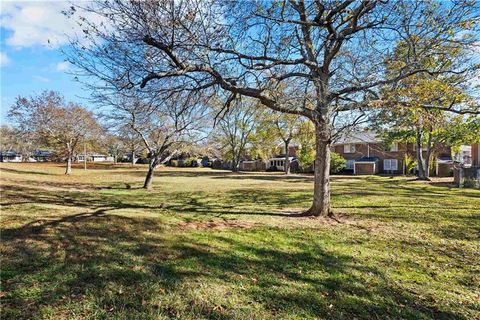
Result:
<point x="366" y="165"/>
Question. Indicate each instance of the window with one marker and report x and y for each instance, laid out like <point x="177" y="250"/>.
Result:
<point x="349" y="148"/>
<point x="349" y="165"/>
<point x="394" y="147"/>
<point x="390" y="164"/>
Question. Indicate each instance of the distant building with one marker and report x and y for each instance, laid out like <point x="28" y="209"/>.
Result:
<point x="10" y="156"/>
<point x="41" y="156"/>
<point x="277" y="162"/>
<point x="95" y="157"/>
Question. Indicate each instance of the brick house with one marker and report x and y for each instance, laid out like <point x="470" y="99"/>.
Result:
<point x="366" y="153"/>
<point x="475" y="152"/>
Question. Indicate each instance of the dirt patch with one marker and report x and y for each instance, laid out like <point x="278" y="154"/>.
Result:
<point x="216" y="225"/>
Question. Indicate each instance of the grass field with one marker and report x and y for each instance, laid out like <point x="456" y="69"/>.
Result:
<point x="214" y="245"/>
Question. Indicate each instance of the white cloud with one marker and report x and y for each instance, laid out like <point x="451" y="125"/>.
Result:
<point x="62" y="66"/>
<point x="39" y="23"/>
<point x="42" y="79"/>
<point x="4" y="59"/>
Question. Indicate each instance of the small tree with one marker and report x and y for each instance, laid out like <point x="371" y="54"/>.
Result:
<point x="306" y="137"/>
<point x="165" y="125"/>
<point x="236" y="128"/>
<point x="53" y="122"/>
<point x="288" y="127"/>
<point x="410" y="164"/>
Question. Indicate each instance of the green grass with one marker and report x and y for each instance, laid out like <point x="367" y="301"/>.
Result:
<point x="214" y="245"/>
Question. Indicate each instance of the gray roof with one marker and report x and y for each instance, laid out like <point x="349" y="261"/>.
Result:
<point x="358" y="137"/>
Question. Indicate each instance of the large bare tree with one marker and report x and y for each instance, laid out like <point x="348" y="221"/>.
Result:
<point x="331" y="53"/>
<point x="53" y="122"/>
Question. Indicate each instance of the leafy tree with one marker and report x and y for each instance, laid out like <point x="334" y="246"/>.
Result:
<point x="460" y="131"/>
<point x="53" y="122"/>
<point x="417" y="106"/>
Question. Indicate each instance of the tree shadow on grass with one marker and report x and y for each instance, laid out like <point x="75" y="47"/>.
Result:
<point x="239" y="203"/>
<point x="118" y="267"/>
<point x="18" y="171"/>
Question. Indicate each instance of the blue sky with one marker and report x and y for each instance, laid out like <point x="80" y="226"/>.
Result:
<point x="29" y="63"/>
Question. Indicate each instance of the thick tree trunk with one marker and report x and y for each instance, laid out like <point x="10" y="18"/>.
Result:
<point x="68" y="169"/>
<point x="287" y="160"/>
<point x="321" y="189"/>
<point x="133" y="157"/>
<point x="148" y="179"/>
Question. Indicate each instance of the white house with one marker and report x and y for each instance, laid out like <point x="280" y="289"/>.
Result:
<point x="95" y="157"/>
<point x="10" y="156"/>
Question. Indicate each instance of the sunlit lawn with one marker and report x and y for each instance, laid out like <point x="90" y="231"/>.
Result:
<point x="215" y="245"/>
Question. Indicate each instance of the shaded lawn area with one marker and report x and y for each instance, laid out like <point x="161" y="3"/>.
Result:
<point x="214" y="245"/>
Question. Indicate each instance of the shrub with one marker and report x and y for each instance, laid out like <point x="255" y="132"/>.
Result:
<point x="306" y="157"/>
<point x="337" y="163"/>
<point x="190" y="162"/>
<point x="410" y="164"/>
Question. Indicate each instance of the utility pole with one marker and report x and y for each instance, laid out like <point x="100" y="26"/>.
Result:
<point x="84" y="155"/>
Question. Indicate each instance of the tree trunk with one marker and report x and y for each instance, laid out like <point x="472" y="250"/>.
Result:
<point x="419" y="153"/>
<point x="68" y="169"/>
<point x="149" y="177"/>
<point x="133" y="157"/>
<point x="287" y="160"/>
<point x="321" y="189"/>
<point x="236" y="162"/>
<point x="236" y="166"/>
<point x="427" y="156"/>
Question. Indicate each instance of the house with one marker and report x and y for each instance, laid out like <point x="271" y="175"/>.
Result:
<point x="366" y="153"/>
<point x="41" y="156"/>
<point x="253" y="165"/>
<point x="277" y="162"/>
<point x="95" y="157"/>
<point x="10" y="156"/>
